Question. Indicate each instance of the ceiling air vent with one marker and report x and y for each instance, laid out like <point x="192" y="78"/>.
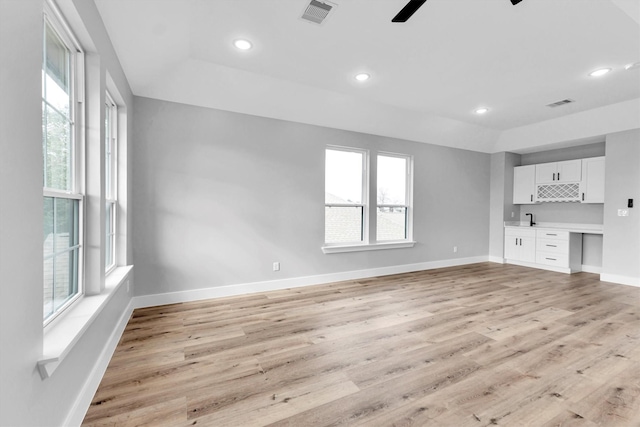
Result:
<point x="317" y="11"/>
<point x="559" y="103"/>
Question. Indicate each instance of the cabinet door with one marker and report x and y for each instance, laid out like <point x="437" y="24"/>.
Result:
<point x="569" y="171"/>
<point x="546" y="173"/>
<point x="528" y="249"/>
<point x="524" y="184"/>
<point x="511" y="247"/>
<point x="592" y="185"/>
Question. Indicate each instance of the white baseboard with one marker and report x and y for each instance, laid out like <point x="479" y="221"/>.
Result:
<point x="540" y="266"/>
<point x="83" y="401"/>
<point x="591" y="269"/>
<point x="497" y="259"/>
<point x="273" y="285"/>
<point x="622" y="280"/>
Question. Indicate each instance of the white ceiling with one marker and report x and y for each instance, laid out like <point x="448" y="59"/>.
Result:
<point x="428" y="75"/>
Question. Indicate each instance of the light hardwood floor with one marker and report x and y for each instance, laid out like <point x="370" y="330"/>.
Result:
<point x="478" y="345"/>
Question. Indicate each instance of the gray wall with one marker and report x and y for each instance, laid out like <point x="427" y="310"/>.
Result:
<point x="621" y="243"/>
<point x="25" y="399"/>
<point x="570" y="153"/>
<point x="502" y="206"/>
<point x="220" y="196"/>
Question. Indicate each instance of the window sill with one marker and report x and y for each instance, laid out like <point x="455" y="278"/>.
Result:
<point x="369" y="247"/>
<point x="61" y="336"/>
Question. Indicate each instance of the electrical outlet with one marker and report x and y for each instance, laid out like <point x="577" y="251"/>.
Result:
<point x="455" y="249"/>
<point x="623" y="212"/>
<point x="512" y="214"/>
<point x="276" y="266"/>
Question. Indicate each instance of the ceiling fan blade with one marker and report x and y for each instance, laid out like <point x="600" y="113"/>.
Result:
<point x="408" y="10"/>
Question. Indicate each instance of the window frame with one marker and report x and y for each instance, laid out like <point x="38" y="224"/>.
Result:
<point x="111" y="179"/>
<point x="370" y="241"/>
<point x="364" y="205"/>
<point x="408" y="197"/>
<point x="53" y="20"/>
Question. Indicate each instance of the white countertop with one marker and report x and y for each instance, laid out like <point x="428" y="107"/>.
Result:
<point x="564" y="226"/>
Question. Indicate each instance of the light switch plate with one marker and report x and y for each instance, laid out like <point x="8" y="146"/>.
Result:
<point x="623" y="212"/>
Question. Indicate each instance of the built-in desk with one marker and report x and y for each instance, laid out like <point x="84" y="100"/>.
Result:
<point x="549" y="246"/>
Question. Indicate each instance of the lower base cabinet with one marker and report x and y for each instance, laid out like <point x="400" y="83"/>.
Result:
<point x="544" y="248"/>
<point x="520" y="244"/>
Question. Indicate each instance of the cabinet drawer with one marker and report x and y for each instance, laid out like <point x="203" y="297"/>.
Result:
<point x="552" y="245"/>
<point x="519" y="232"/>
<point x="550" y="258"/>
<point x="555" y="235"/>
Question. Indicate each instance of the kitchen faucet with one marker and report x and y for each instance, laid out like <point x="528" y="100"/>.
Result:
<point x="531" y="223"/>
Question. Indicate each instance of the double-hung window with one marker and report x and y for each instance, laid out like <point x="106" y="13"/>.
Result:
<point x="345" y="197"/>
<point x="62" y="219"/>
<point x="394" y="193"/>
<point x="110" y="168"/>
<point x="351" y="223"/>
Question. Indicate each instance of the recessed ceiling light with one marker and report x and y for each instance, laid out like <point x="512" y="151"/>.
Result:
<point x="600" y="72"/>
<point x="362" y="77"/>
<point x="242" y="44"/>
<point x="482" y="110"/>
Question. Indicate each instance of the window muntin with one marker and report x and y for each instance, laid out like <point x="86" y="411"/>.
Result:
<point x="62" y="213"/>
<point x="110" y="167"/>
<point x="393" y="184"/>
<point x="345" y="195"/>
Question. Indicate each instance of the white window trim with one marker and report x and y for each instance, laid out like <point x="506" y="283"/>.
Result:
<point x="370" y="209"/>
<point x="113" y="199"/>
<point x="61" y="336"/>
<point x="365" y="196"/>
<point x="408" y="196"/>
<point x="54" y="19"/>
<point x="368" y="247"/>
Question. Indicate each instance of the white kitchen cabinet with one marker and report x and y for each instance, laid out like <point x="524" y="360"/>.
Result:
<point x="559" y="172"/>
<point x="524" y="185"/>
<point x="560" y="250"/>
<point x="545" y="248"/>
<point x="592" y="184"/>
<point x="520" y="244"/>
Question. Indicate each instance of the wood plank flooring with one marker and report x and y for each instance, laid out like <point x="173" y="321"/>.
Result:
<point x="479" y="345"/>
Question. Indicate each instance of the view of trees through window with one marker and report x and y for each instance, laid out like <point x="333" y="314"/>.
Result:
<point x="61" y="244"/>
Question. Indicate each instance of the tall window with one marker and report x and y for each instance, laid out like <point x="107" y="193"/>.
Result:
<point x="345" y="195"/>
<point x="347" y="213"/>
<point x="110" y="168"/>
<point x="393" y="197"/>
<point x="62" y="239"/>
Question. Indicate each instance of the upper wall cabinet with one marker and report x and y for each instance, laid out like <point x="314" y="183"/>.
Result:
<point x="579" y="180"/>
<point x="559" y="172"/>
<point x="524" y="184"/>
<point x="592" y="185"/>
